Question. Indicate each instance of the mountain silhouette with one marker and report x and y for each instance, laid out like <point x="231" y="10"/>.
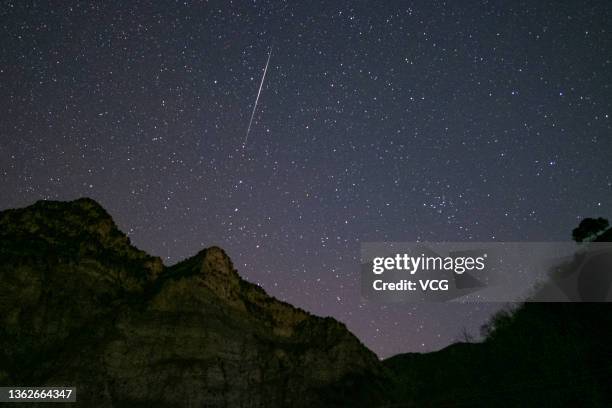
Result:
<point x="533" y="355"/>
<point x="81" y="306"/>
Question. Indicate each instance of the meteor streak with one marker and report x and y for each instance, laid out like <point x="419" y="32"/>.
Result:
<point x="263" y="77"/>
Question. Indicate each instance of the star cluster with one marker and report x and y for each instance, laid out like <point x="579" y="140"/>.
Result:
<point x="431" y="121"/>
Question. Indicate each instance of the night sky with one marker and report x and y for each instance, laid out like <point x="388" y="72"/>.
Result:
<point x="402" y="121"/>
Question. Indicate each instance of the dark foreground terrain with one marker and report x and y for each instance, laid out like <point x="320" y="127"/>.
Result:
<point x="80" y="306"/>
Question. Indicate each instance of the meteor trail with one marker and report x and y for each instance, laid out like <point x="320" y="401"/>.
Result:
<point x="263" y="77"/>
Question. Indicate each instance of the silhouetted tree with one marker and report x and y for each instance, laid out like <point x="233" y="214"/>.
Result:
<point x="589" y="228"/>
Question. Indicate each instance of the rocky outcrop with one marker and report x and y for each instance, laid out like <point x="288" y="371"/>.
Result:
<point x="79" y="305"/>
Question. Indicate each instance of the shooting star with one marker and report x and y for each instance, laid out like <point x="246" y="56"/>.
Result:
<point x="263" y="78"/>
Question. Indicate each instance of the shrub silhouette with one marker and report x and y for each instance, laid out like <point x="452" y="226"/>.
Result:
<point x="589" y="228"/>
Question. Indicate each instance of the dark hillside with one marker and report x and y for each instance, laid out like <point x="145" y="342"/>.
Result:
<point x="538" y="354"/>
<point x="79" y="305"/>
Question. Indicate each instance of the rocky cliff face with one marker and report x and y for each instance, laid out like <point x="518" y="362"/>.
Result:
<point x="81" y="306"/>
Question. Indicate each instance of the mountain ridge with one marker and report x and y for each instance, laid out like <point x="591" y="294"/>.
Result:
<point x="139" y="325"/>
<point x="81" y="306"/>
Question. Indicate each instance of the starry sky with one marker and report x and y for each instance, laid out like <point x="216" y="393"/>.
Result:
<point x="377" y="121"/>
